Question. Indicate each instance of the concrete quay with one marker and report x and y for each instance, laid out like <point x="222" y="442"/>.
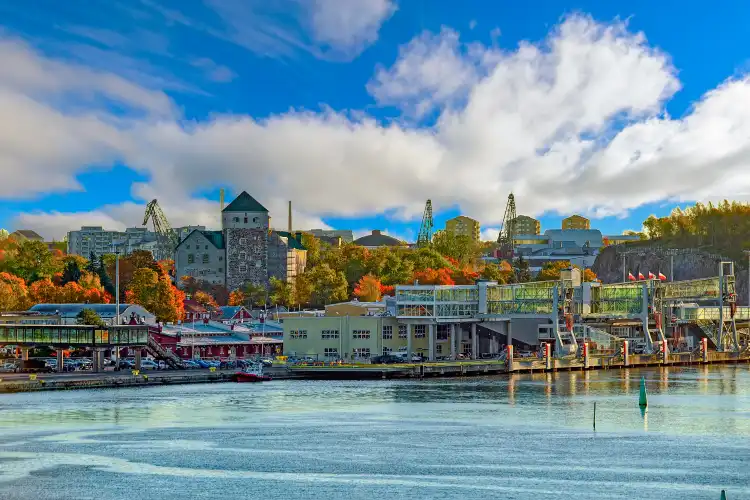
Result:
<point x="10" y="383"/>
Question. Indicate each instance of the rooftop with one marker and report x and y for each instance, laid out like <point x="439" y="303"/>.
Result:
<point x="378" y="239"/>
<point x="245" y="203"/>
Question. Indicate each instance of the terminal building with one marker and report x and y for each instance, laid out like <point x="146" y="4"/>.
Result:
<point x="479" y="320"/>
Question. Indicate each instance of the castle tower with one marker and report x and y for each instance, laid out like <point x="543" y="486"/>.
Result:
<point x="245" y="224"/>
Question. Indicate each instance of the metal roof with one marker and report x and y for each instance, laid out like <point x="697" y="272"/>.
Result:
<point x="103" y="310"/>
<point x="245" y="203"/>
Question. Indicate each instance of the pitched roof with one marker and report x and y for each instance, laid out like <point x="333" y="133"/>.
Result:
<point x="291" y="240"/>
<point x="215" y="237"/>
<point x="245" y="203"/>
<point x="28" y="233"/>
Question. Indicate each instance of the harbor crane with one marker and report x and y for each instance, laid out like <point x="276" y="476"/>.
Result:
<point x="167" y="239"/>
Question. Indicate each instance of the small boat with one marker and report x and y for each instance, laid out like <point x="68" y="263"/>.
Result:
<point x="253" y="373"/>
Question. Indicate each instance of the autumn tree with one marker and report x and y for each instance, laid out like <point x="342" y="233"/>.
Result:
<point x="205" y="300"/>
<point x="34" y="261"/>
<point x="434" y="277"/>
<point x="497" y="272"/>
<point x="156" y="293"/>
<point x="44" y="292"/>
<point x="236" y="298"/>
<point x="426" y="258"/>
<point x="313" y="246"/>
<point x="255" y="294"/>
<point x="368" y="289"/>
<point x="522" y="274"/>
<point x="13" y="293"/>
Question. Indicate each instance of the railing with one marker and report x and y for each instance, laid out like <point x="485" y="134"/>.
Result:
<point x="600" y="338"/>
<point x="706" y="288"/>
<point x="158" y="351"/>
<point x="619" y="299"/>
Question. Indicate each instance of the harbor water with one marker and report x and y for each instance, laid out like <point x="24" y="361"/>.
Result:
<point x="517" y="437"/>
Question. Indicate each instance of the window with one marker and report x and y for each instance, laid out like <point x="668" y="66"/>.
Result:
<point x="298" y="334"/>
<point x="442" y="332"/>
<point x="191" y="258"/>
<point x="243" y="241"/>
<point x="360" y="334"/>
<point x="420" y="331"/>
<point x="235" y="219"/>
<point x="243" y="268"/>
<point x="362" y="352"/>
<point x="221" y="257"/>
<point x="255" y="219"/>
<point x="331" y="352"/>
<point x="387" y="332"/>
<point x="205" y="258"/>
<point x="329" y="334"/>
<point x="245" y="220"/>
<point x="206" y="248"/>
<point x="439" y="348"/>
<point x="387" y="351"/>
<point x="243" y="255"/>
<point x="258" y="263"/>
<point x="187" y="246"/>
<point x="402" y="329"/>
<point x="221" y="269"/>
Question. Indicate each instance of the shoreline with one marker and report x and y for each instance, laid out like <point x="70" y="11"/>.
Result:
<point x="109" y="380"/>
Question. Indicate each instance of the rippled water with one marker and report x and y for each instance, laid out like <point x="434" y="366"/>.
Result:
<point x="529" y="436"/>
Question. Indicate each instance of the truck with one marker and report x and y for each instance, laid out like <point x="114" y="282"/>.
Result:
<point x="33" y="366"/>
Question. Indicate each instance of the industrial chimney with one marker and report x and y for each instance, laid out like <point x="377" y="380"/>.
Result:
<point x="221" y="198"/>
<point x="290" y="218"/>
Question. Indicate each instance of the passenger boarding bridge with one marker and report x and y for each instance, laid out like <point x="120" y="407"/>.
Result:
<point x="659" y="311"/>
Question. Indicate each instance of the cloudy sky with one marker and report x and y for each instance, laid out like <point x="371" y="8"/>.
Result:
<point x="360" y="110"/>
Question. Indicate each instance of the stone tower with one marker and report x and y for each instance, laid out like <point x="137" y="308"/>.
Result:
<point x="245" y="223"/>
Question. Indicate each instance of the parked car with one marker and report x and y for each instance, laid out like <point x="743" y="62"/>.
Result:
<point x="8" y="367"/>
<point x="147" y="364"/>
<point x="386" y="359"/>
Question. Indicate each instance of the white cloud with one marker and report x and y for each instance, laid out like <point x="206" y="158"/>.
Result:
<point x="215" y="72"/>
<point x="489" y="234"/>
<point x="573" y="124"/>
<point x="325" y="28"/>
<point x="349" y="25"/>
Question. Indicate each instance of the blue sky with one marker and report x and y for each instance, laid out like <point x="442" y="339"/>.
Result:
<point x="360" y="110"/>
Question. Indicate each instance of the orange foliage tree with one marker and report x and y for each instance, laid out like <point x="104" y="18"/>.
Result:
<point x="236" y="298"/>
<point x="368" y="288"/>
<point x="155" y="292"/>
<point x="87" y="290"/>
<point x="13" y="293"/>
<point x="205" y="300"/>
<point x="434" y="277"/>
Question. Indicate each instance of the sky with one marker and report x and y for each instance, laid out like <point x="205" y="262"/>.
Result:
<point x="360" y="110"/>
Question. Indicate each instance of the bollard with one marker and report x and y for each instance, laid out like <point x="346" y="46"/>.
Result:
<point x="32" y="376"/>
<point x="547" y="356"/>
<point x="509" y="357"/>
<point x="585" y="355"/>
<point x="135" y="372"/>
<point x="625" y="353"/>
<point x="704" y="349"/>
<point x="212" y="369"/>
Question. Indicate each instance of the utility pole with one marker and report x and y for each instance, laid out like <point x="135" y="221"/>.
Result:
<point x="671" y="252"/>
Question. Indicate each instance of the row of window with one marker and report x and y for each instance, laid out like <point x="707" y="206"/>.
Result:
<point x="419" y="332"/>
<point x="206" y="258"/>
<point x="237" y="219"/>
<point x="197" y="247"/>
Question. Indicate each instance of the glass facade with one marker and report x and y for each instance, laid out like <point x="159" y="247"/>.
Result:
<point x="525" y="298"/>
<point x="71" y="335"/>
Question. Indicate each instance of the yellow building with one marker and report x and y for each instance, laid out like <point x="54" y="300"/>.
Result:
<point x="576" y="222"/>
<point x="523" y="224"/>
<point x="463" y="226"/>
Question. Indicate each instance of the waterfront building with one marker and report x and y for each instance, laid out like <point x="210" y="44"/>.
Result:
<point x="68" y="313"/>
<point x="214" y="339"/>
<point x="463" y="226"/>
<point x="201" y="255"/>
<point x="346" y="235"/>
<point x="287" y="257"/>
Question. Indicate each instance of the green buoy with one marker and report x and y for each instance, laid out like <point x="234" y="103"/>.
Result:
<point x="643" y="399"/>
<point x="723" y="495"/>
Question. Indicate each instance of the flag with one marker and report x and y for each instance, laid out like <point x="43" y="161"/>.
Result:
<point x="631" y="277"/>
<point x="662" y="277"/>
<point x="651" y="276"/>
<point x="640" y="276"/>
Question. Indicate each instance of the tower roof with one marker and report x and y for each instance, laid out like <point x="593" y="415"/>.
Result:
<point x="245" y="203"/>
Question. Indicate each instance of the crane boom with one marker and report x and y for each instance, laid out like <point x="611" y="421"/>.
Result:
<point x="167" y="240"/>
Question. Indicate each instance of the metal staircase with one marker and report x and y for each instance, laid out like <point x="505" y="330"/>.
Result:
<point x="159" y="352"/>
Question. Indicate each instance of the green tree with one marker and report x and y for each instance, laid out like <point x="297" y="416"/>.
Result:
<point x="395" y="270"/>
<point x="314" y="247"/>
<point x="34" y="261"/>
<point x="426" y="258"/>
<point x="493" y="272"/>
<point x="71" y="272"/>
<point x="327" y="285"/>
<point x="89" y="317"/>
<point x="255" y="294"/>
<point x="522" y="272"/>
<point x="282" y="293"/>
<point x="104" y="278"/>
<point x="458" y="247"/>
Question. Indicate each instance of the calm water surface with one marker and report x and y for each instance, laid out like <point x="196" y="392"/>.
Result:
<point x="528" y="436"/>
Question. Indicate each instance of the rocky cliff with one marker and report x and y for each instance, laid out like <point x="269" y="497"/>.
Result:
<point x="688" y="264"/>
